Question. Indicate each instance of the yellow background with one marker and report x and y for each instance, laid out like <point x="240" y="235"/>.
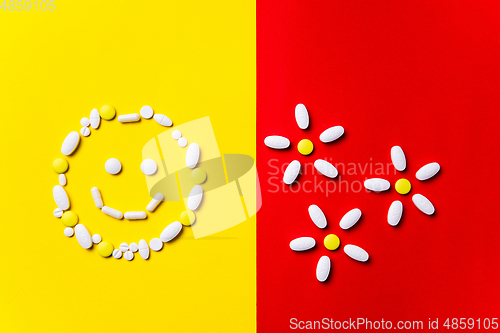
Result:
<point x="187" y="60"/>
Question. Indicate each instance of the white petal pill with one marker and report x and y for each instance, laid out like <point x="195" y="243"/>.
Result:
<point x="356" y="253"/>
<point x="128" y="118"/>
<point x="62" y="179"/>
<point x="96" y="195"/>
<point x="83" y="236"/>
<point x="395" y="213"/>
<point x="154" y="202"/>
<point x="85" y="131"/>
<point x="317" y="216"/>
<point x="148" y="167"/>
<point x="192" y="155"/>
<point x="96" y="239"/>
<point x="85" y="122"/>
<point x="195" y="197"/>
<point x="377" y="184"/>
<point x="350" y="219"/>
<point x="331" y="134"/>
<point x="171" y="231"/>
<point x="146" y="112"/>
<point x="143" y="249"/>
<point x="182" y="142"/>
<point x="398" y="158"/>
<point x="163" y="120"/>
<point x="58" y="212"/>
<point x="428" y="171"/>
<point x="176" y="134"/>
<point x="68" y="232"/>
<point x="423" y="204"/>
<point x="277" y="142"/>
<point x="291" y="172"/>
<point x="124" y="247"/>
<point x="133" y="247"/>
<point x="156" y="244"/>
<point x="301" y="116"/>
<point x="113" y="166"/>
<point x="302" y="243"/>
<point x="60" y="197"/>
<point x="117" y="254"/>
<point x="112" y="212"/>
<point x="129" y="255"/>
<point x="70" y="143"/>
<point x="326" y="168"/>
<point x="323" y="269"/>
<point x="95" y="118"/>
<point x="135" y="215"/>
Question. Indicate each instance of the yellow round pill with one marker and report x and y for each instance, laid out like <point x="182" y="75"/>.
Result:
<point x="332" y="242"/>
<point x="305" y="147"/>
<point x="69" y="219"/>
<point x="60" y="165"/>
<point x="188" y="218"/>
<point x="403" y="186"/>
<point x="105" y="249"/>
<point x="198" y="176"/>
<point x="107" y="112"/>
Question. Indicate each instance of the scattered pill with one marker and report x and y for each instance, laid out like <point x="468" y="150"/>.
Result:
<point x="277" y="142"/>
<point x="350" y="218"/>
<point x="291" y="172"/>
<point x="326" y="168"/>
<point x="317" y="216"/>
<point x="305" y="147"/>
<point x="69" y="218"/>
<point x="395" y="213"/>
<point x="107" y="112"/>
<point x="423" y="204"/>
<point x="398" y="158"/>
<point x="171" y="231"/>
<point x="428" y="171"/>
<point x="95" y="118"/>
<point x="135" y="215"/>
<point x="85" y="122"/>
<point x="301" y="116"/>
<point x="182" y="142"/>
<point x="331" y="134"/>
<point x="323" y="269"/>
<point x="85" y="131"/>
<point x="60" y="197"/>
<point x="156" y="244"/>
<point x="117" y="254"/>
<point x="105" y="249"/>
<point x="129" y="255"/>
<point x="96" y="195"/>
<point x="83" y="236"/>
<point x="70" y="143"/>
<point x="302" y="243"/>
<point x="68" y="232"/>
<point x="377" y="184"/>
<point x="195" y="197"/>
<point x="113" y="166"/>
<point x="163" y="120"/>
<point x="176" y="134"/>
<point x="62" y="179"/>
<point x="192" y="155"/>
<point x="129" y="118"/>
<point x="154" y="202"/>
<point x="332" y="242"/>
<point x="188" y="218"/>
<point x="146" y="112"/>
<point x="112" y="212"/>
<point x="96" y="239"/>
<point x="143" y="249"/>
<point x="60" y="165"/>
<point x="356" y="253"/>
<point x="199" y="176"/>
<point x="58" y="212"/>
<point x="403" y="186"/>
<point x="133" y="247"/>
<point x="124" y="247"/>
<point x="148" y="167"/>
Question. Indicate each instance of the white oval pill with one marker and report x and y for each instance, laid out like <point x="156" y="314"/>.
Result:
<point x="85" y="131"/>
<point x="117" y="254"/>
<point x="124" y="247"/>
<point x="291" y="172"/>
<point x="195" y="197"/>
<point x="317" y="216"/>
<point x="331" y="134"/>
<point x="85" y="122"/>
<point x="350" y="219"/>
<point x="128" y="118"/>
<point x="60" y="197"/>
<point x="423" y="204"/>
<point x="277" y="142"/>
<point x="143" y="249"/>
<point x="398" y="158"/>
<point x="326" y="168"/>
<point x="192" y="155"/>
<point x="301" y="116"/>
<point x="96" y="195"/>
<point x="377" y="184"/>
<point x="156" y="244"/>
<point x="395" y="213"/>
<point x="428" y="171"/>
<point x="356" y="253"/>
<point x="146" y="112"/>
<point x="129" y="255"/>
<point x="154" y="202"/>
<point x="176" y="134"/>
<point x="113" y="166"/>
<point x="68" y="232"/>
<point x="70" y="143"/>
<point x="163" y="120"/>
<point x="112" y="212"/>
<point x="62" y="179"/>
<point x="148" y="167"/>
<point x="133" y="247"/>
<point x="96" y="239"/>
<point x="58" y="212"/>
<point x="323" y="269"/>
<point x="135" y="215"/>
<point x="83" y="236"/>
<point x="302" y="243"/>
<point x="182" y="142"/>
<point x="171" y="231"/>
<point x="95" y="118"/>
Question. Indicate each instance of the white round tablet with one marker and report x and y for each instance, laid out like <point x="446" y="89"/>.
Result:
<point x="146" y="112"/>
<point x="117" y="254"/>
<point x="85" y="131"/>
<point x="129" y="255"/>
<point x="176" y="134"/>
<point x="113" y="166"/>
<point x="85" y="122"/>
<point x="156" y="244"/>
<point x="68" y="232"/>
<point x="182" y="142"/>
<point x="124" y="247"/>
<point x="134" y="247"/>
<point x="58" y="212"/>
<point x="96" y="239"/>
<point x="148" y="167"/>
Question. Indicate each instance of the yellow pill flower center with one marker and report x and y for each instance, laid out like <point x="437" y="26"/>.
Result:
<point x="403" y="186"/>
<point x="332" y="242"/>
<point x="305" y="147"/>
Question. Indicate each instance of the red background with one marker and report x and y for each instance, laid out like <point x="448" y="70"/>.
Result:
<point x="420" y="74"/>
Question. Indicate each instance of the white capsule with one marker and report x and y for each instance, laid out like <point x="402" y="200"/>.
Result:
<point x="70" y="143"/>
<point x="85" y="122"/>
<point x="156" y="244"/>
<point x="135" y="215"/>
<point x="171" y="231"/>
<point x="398" y="158"/>
<point x="96" y="195"/>
<point x="302" y="243"/>
<point x="68" y="232"/>
<point x="192" y="155"/>
<point x="182" y="142"/>
<point x="195" y="197"/>
<point x="356" y="253"/>
<point x="277" y="142"/>
<point x="428" y="171"/>
<point x="95" y="118"/>
<point x="377" y="184"/>
<point x="112" y="212"/>
<point x="317" y="216"/>
<point x="58" y="212"/>
<point x="395" y="213"/>
<point x="143" y="249"/>
<point x="62" y="179"/>
<point x="129" y="255"/>
<point x="323" y="269"/>
<point x="85" y="131"/>
<point x="146" y="112"/>
<point x="291" y="172"/>
<point x="423" y="204"/>
<point x="133" y="247"/>
<point x="176" y="134"/>
<point x="83" y="236"/>
<point x="350" y="218"/>
<point x="60" y="197"/>
<point x="124" y="247"/>
<point x="301" y="116"/>
<point x="326" y="168"/>
<point x="154" y="202"/>
<point x="128" y="118"/>
<point x="162" y="120"/>
<point x="96" y="239"/>
<point x="331" y="134"/>
<point x="117" y="254"/>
